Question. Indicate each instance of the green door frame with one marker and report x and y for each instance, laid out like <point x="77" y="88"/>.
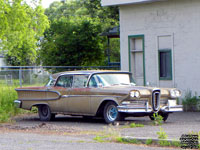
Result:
<point x="129" y="53"/>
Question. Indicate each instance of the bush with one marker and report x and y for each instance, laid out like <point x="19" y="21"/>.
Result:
<point x="191" y="103"/>
<point x="7" y="108"/>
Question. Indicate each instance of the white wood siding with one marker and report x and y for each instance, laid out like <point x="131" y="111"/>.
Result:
<point x="177" y="19"/>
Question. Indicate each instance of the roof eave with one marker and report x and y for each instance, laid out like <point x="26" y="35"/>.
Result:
<point x="130" y="3"/>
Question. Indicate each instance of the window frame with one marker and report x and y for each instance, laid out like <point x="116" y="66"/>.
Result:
<point x="55" y="85"/>
<point x="170" y="59"/>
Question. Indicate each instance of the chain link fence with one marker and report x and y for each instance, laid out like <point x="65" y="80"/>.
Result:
<point x="39" y="75"/>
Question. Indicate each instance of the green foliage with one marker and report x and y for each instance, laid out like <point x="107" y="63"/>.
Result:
<point x="74" y="35"/>
<point x="7" y="108"/>
<point x="162" y="134"/>
<point x="158" y="119"/>
<point x="100" y="138"/>
<point x="133" y="125"/>
<point x="108" y="16"/>
<point x="110" y="134"/>
<point x="20" y="28"/>
<point x="72" y="43"/>
<point x="149" y="141"/>
<point x="191" y="103"/>
<point x="175" y="143"/>
<point x="128" y="140"/>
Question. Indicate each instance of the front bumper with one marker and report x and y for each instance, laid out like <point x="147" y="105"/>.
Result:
<point x="147" y="109"/>
<point x="17" y="103"/>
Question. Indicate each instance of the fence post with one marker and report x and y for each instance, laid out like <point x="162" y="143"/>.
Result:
<point x="20" y="76"/>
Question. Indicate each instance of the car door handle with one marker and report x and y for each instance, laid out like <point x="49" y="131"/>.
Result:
<point x="65" y="96"/>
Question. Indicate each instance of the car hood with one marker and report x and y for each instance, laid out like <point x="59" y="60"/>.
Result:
<point x="144" y="90"/>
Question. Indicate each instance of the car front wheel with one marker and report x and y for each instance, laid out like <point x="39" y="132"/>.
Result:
<point x="111" y="113"/>
<point x="45" y="113"/>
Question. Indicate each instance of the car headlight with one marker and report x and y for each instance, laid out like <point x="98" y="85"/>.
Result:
<point x="174" y="93"/>
<point x="135" y="94"/>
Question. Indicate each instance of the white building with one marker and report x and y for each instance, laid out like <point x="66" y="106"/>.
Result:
<point x="2" y="60"/>
<point x="160" y="41"/>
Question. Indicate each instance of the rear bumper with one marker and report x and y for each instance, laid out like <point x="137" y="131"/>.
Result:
<point x="166" y="109"/>
<point x="17" y="103"/>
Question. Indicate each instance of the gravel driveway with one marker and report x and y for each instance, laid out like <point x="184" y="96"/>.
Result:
<point x="66" y="132"/>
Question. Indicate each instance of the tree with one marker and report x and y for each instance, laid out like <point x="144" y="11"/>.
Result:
<point x="74" y="35"/>
<point x="72" y="42"/>
<point x="108" y="16"/>
<point x="21" y="26"/>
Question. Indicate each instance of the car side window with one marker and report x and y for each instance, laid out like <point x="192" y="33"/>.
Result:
<point x="80" y="81"/>
<point x="65" y="81"/>
<point x="92" y="82"/>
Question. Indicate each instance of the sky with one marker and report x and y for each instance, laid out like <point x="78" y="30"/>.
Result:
<point x="46" y="3"/>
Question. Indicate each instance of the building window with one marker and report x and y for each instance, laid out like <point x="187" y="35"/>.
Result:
<point x="165" y="64"/>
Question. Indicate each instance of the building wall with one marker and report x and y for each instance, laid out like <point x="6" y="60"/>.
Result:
<point x="174" y="24"/>
<point x="2" y="61"/>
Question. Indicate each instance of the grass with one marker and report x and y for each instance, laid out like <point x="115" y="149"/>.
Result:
<point x="149" y="141"/>
<point x="110" y="134"/>
<point x="132" y="125"/>
<point x="7" y="108"/>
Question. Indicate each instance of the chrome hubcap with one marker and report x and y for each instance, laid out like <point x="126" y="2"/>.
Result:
<point x="112" y="113"/>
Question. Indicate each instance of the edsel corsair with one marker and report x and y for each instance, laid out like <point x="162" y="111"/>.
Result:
<point x="109" y="94"/>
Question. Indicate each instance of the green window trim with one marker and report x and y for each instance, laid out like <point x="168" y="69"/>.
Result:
<point x="170" y="65"/>
<point x="129" y="53"/>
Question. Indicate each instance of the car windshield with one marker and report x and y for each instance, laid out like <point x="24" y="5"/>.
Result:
<point x="110" y="79"/>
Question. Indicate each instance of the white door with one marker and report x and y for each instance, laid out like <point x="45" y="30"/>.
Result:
<point x="136" y="59"/>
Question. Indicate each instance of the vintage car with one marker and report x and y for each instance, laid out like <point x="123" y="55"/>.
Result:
<point x="108" y="94"/>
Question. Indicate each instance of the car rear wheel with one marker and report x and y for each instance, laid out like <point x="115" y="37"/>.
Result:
<point x="111" y="113"/>
<point x="45" y="113"/>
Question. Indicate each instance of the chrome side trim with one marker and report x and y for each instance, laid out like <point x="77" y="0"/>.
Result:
<point x="64" y="96"/>
<point x="17" y="103"/>
<point x="93" y="96"/>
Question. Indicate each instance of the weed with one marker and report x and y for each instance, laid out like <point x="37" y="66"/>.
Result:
<point x="100" y="138"/>
<point x="176" y="143"/>
<point x="149" y="141"/>
<point x="164" y="143"/>
<point x="133" y="125"/>
<point x="7" y="108"/>
<point x="132" y="141"/>
<point x="158" y="119"/>
<point x="162" y="134"/>
<point x="191" y="103"/>
<point x="110" y="133"/>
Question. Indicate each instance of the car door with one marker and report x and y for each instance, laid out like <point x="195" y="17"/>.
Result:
<point x="63" y="86"/>
<point x="79" y="102"/>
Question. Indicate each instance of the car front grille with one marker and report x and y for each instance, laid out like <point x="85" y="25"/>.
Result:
<point x="156" y="100"/>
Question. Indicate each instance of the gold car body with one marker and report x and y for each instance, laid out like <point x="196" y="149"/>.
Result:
<point x="88" y="100"/>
